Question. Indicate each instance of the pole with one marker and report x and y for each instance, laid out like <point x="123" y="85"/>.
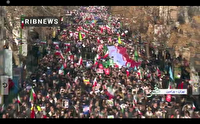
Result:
<point x="20" y="46"/>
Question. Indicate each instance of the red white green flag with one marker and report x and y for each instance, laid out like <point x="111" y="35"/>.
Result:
<point x="110" y="92"/>
<point x="18" y="99"/>
<point x="80" y="61"/>
<point x="22" y="22"/>
<point x="94" y="82"/>
<point x="96" y="58"/>
<point x="32" y="95"/>
<point x="106" y="55"/>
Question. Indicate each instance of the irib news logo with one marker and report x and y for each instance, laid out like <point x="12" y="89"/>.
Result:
<point x="40" y="21"/>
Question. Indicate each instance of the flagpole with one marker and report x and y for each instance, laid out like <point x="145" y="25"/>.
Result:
<point x="20" y="46"/>
<point x="18" y="107"/>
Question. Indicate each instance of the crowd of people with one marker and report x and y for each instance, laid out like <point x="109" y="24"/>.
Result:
<point x="76" y="76"/>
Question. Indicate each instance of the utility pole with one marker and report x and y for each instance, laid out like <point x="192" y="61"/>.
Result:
<point x="2" y="10"/>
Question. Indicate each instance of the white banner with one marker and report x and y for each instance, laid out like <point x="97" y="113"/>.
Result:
<point x="170" y="91"/>
<point x="4" y="85"/>
<point x="99" y="71"/>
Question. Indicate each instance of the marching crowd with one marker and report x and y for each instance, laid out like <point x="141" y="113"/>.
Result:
<point x="77" y="77"/>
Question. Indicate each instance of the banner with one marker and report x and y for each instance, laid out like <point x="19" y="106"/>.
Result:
<point x="110" y="102"/>
<point x="8" y="63"/>
<point x="4" y="85"/>
<point x="100" y="71"/>
<point x="65" y="103"/>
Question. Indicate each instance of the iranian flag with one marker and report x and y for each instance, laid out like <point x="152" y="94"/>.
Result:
<point x="94" y="82"/>
<point x="121" y="57"/>
<point x="22" y="22"/>
<point x="32" y="95"/>
<point x="127" y="73"/>
<point x="55" y="43"/>
<point x="65" y="63"/>
<point x="100" y="47"/>
<point x="18" y="99"/>
<point x="76" y="79"/>
<point x="96" y="58"/>
<point x="110" y="92"/>
<point x="193" y="106"/>
<point x="98" y="40"/>
<point x="158" y="72"/>
<point x="139" y="112"/>
<point x="80" y="61"/>
<point x="56" y="47"/>
<point x="43" y="42"/>
<point x="135" y="99"/>
<point x="59" y="53"/>
<point x="106" y="55"/>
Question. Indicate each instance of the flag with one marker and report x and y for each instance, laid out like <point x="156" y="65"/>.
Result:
<point x="65" y="64"/>
<point x="119" y="40"/>
<point x="61" y="55"/>
<point x="121" y="57"/>
<point x="110" y="93"/>
<point x="128" y="65"/>
<point x="32" y="95"/>
<point x="171" y="74"/>
<point x="158" y="72"/>
<point x="22" y="22"/>
<point x="107" y="71"/>
<point x="76" y="79"/>
<point x="105" y="49"/>
<point x="86" y="81"/>
<point x="106" y="55"/>
<point x="67" y="44"/>
<point x="94" y="82"/>
<point x="180" y="86"/>
<point x="44" y="114"/>
<point x="55" y="43"/>
<point x="169" y="96"/>
<point x="135" y="68"/>
<point x="56" y="47"/>
<point x="136" y="55"/>
<point x="193" y="106"/>
<point x="43" y="42"/>
<point x="86" y="110"/>
<point x="96" y="58"/>
<point x="80" y="36"/>
<point x="18" y="99"/>
<point x="127" y="73"/>
<point x="134" y="99"/>
<point x="139" y="112"/>
<point x="100" y="66"/>
<point x="98" y="40"/>
<point x="80" y="61"/>
<point x="62" y="67"/>
<point x="99" y="48"/>
<point x="61" y="72"/>
<point x="111" y="62"/>
<point x="32" y="113"/>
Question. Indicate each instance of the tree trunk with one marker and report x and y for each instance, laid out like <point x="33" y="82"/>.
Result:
<point x="186" y="17"/>
<point x="147" y="49"/>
